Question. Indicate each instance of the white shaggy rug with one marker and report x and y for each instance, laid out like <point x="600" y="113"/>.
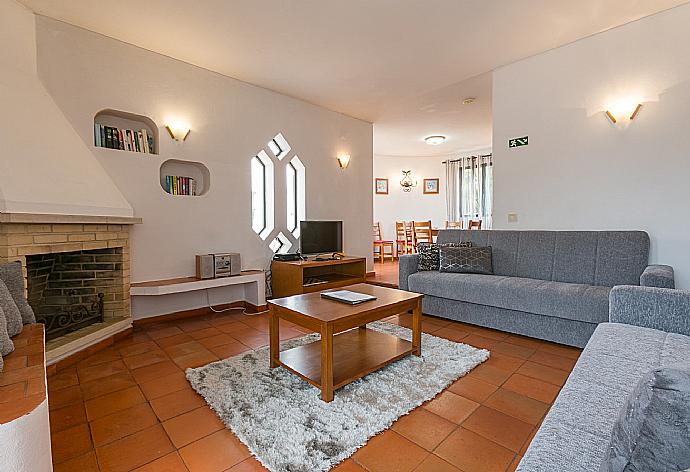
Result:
<point x="288" y="428"/>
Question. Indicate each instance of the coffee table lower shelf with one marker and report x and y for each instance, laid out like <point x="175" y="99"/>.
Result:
<point x="356" y="353"/>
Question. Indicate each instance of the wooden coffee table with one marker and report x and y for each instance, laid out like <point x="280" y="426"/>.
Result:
<point x="344" y="354"/>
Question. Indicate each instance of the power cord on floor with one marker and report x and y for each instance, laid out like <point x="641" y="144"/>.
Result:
<point x="225" y="310"/>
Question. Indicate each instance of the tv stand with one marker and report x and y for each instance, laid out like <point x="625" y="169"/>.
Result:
<point x="296" y="277"/>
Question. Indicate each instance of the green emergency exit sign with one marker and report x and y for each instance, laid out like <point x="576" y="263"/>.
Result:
<point x="517" y="142"/>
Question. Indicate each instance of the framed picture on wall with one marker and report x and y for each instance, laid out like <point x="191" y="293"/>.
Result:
<point x="381" y="186"/>
<point x="431" y="185"/>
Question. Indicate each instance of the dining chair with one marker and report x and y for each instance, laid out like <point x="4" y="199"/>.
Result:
<point x="403" y="239"/>
<point x="422" y="232"/>
<point x="474" y="224"/>
<point x="454" y="224"/>
<point x="409" y="230"/>
<point x="381" y="244"/>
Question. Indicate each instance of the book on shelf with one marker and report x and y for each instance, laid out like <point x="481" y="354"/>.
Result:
<point x="180" y="185"/>
<point x="124" y="139"/>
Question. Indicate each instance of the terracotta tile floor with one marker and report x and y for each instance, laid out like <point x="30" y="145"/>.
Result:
<point x="129" y="407"/>
<point x="385" y="274"/>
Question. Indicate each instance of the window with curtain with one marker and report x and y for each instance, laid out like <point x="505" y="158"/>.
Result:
<point x="469" y="189"/>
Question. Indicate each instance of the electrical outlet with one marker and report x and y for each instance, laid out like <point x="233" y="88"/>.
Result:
<point x="512" y="218"/>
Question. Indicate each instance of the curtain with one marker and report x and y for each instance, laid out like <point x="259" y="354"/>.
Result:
<point x="453" y="190"/>
<point x="469" y="189"/>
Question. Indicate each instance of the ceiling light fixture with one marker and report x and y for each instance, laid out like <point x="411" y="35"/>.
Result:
<point x="434" y="140"/>
<point x="468" y="100"/>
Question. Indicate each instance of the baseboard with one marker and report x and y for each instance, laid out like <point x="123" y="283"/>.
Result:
<point x="180" y="315"/>
<point x="371" y="274"/>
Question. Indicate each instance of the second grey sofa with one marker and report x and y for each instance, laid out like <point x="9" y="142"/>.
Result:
<point x="649" y="328"/>
<point x="552" y="285"/>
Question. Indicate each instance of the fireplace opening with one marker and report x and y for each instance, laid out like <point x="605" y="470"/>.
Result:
<point x="69" y="290"/>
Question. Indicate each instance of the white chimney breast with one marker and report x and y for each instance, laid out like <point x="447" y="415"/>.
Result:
<point x="45" y="167"/>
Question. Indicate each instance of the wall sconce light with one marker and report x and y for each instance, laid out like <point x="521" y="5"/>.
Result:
<point x="622" y="110"/>
<point x="178" y="130"/>
<point x="407" y="183"/>
<point x="343" y="160"/>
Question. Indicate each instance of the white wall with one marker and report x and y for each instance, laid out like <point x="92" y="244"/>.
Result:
<point x="413" y="205"/>
<point x="44" y="165"/>
<point x="580" y="171"/>
<point x="26" y="442"/>
<point x="230" y="122"/>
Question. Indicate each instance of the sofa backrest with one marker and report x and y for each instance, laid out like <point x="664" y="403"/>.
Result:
<point x="604" y="258"/>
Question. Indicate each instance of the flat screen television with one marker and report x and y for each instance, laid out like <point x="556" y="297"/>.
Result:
<point x="321" y="237"/>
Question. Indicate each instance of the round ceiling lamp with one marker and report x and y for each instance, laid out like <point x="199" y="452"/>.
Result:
<point x="434" y="140"/>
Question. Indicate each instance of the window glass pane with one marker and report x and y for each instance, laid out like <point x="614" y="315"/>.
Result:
<point x="258" y="171"/>
<point x="291" y="186"/>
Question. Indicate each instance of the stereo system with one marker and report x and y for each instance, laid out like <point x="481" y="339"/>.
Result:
<point x="209" y="266"/>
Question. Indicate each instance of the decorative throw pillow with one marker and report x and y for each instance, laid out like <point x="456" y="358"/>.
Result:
<point x="13" y="277"/>
<point x="6" y="344"/>
<point x="428" y="254"/>
<point x="466" y="260"/>
<point x="12" y="315"/>
<point x="653" y="427"/>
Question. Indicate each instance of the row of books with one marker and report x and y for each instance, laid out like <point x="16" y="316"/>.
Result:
<point x="123" y="139"/>
<point x="176" y="185"/>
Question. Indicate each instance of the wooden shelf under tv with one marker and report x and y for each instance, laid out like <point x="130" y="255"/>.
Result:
<point x="296" y="277"/>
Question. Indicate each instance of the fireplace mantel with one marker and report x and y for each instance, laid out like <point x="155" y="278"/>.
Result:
<point x="45" y="218"/>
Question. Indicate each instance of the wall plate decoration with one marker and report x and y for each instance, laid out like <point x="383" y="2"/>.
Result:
<point x="381" y="186"/>
<point x="431" y="186"/>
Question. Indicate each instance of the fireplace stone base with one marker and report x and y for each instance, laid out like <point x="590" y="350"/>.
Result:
<point x="23" y="235"/>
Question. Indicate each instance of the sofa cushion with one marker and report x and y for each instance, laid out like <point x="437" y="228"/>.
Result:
<point x="9" y="307"/>
<point x="11" y="274"/>
<point x="613" y="362"/>
<point x="563" y="300"/>
<point x="6" y="344"/>
<point x="465" y="260"/>
<point x="604" y="258"/>
<point x="429" y="254"/>
<point x="653" y="427"/>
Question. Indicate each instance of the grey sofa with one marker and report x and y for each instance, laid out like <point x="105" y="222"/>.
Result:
<point x="552" y="285"/>
<point x="649" y="328"/>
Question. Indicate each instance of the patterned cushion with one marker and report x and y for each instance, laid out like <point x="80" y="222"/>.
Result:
<point x="6" y="344"/>
<point x="465" y="260"/>
<point x="429" y="254"/>
<point x="12" y="315"/>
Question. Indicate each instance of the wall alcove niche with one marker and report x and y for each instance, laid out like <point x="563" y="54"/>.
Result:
<point x="127" y="124"/>
<point x="173" y="170"/>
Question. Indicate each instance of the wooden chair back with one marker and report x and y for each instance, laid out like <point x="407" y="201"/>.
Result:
<point x="401" y="233"/>
<point x="422" y="232"/>
<point x="475" y="224"/>
<point x="376" y="231"/>
<point x="454" y="224"/>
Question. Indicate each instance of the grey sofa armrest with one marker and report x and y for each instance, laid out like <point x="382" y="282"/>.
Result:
<point x="407" y="265"/>
<point x="658" y="276"/>
<point x="651" y="307"/>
